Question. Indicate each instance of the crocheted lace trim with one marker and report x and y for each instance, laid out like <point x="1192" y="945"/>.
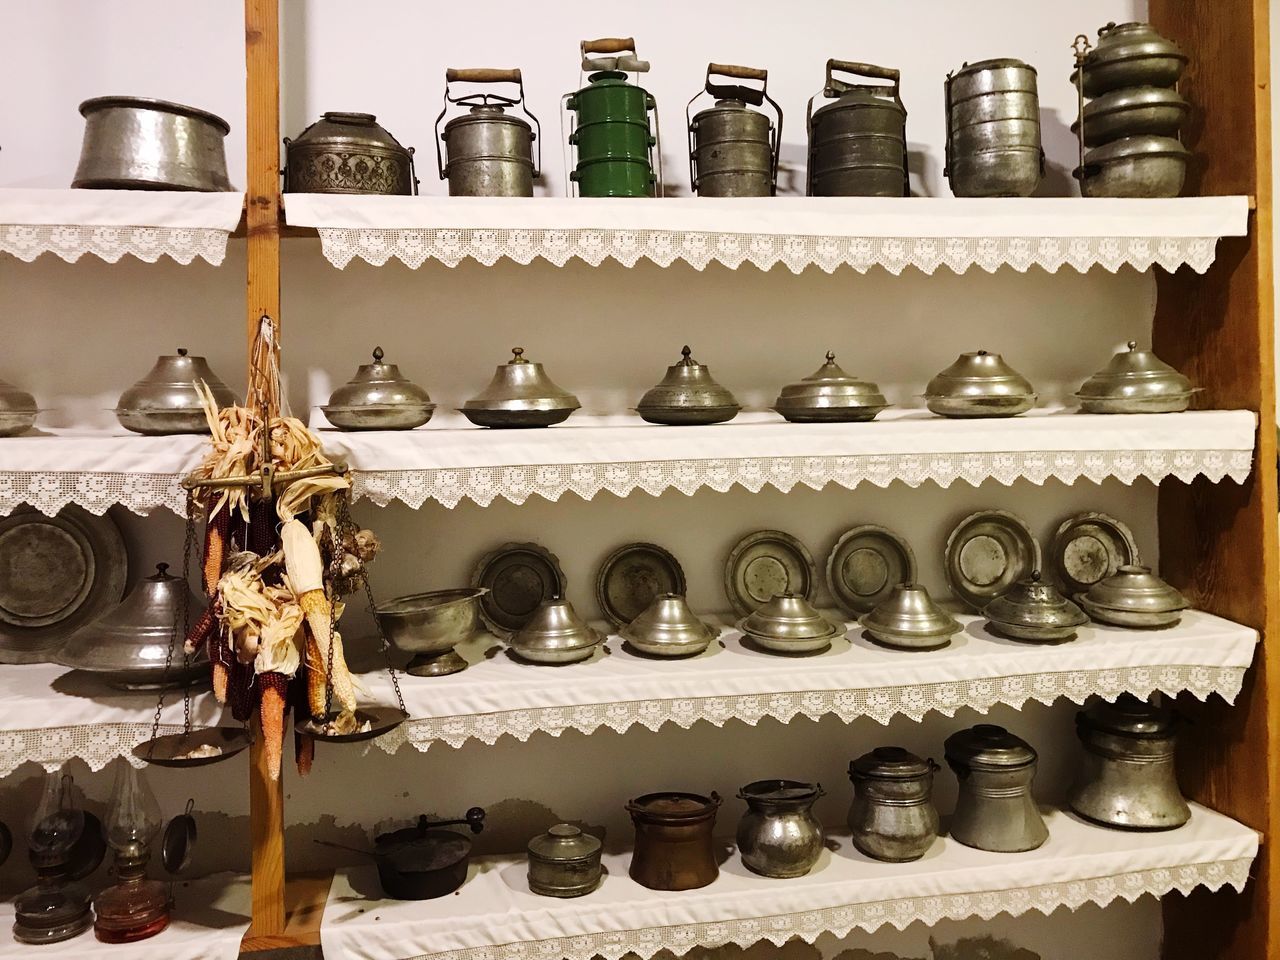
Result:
<point x="71" y="242"/>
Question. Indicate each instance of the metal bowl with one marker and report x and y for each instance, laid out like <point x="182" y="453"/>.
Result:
<point x="430" y="625"/>
<point x="1143" y="167"/>
<point x="555" y="634"/>
<point x="386" y="416"/>
<point x="1134" y="597"/>
<point x="1034" y="612"/>
<point x="520" y="395"/>
<point x="1131" y="55"/>
<point x="379" y="397"/>
<point x="1132" y="111"/>
<point x="829" y="395"/>
<point x="909" y="619"/>
<point x="668" y="628"/>
<point x="1135" y="381"/>
<point x="687" y="395"/>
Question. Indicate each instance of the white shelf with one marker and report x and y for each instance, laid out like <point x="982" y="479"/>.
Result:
<point x="828" y="232"/>
<point x="495" y="917"/>
<point x="499" y="696"/>
<point x="146" y="224"/>
<point x="448" y="460"/>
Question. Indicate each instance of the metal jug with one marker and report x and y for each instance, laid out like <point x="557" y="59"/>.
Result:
<point x="733" y="150"/>
<point x="858" y="144"/>
<point x="995" y="809"/>
<point x="612" y="134"/>
<point x="993" y="130"/>
<point x="490" y="153"/>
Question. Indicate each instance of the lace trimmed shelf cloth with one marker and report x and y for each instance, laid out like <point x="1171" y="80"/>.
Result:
<point x="828" y="232"/>
<point x="494" y="916"/>
<point x="110" y="224"/>
<point x="497" y="696"/>
<point x="448" y="460"/>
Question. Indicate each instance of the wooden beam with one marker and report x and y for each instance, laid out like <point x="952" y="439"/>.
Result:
<point x="305" y="897"/>
<point x="1218" y="542"/>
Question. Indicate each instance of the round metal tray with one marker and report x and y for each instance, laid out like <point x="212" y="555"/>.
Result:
<point x="864" y="566"/>
<point x="766" y="564"/>
<point x="519" y="576"/>
<point x="1090" y="547"/>
<point x="632" y="576"/>
<point x="168" y="751"/>
<point x="987" y="553"/>
<point x="381" y="720"/>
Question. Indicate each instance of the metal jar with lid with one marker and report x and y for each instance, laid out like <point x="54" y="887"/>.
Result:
<point x="829" y="395"/>
<point x="858" y="142"/>
<point x="993" y="130"/>
<point x="674" y="849"/>
<point x="520" y="395"/>
<point x="564" y="862"/>
<point x="348" y="153"/>
<point x="995" y="809"/>
<point x="166" y="400"/>
<point x="612" y="136"/>
<point x="1033" y="611"/>
<point x="1128" y="778"/>
<point x="1135" y="381"/>
<point x="491" y="153"/>
<point x="893" y="817"/>
<point x="687" y="395"/>
<point x="979" y="384"/>
<point x="378" y="397"/>
<point x="779" y="836"/>
<point x="733" y="150"/>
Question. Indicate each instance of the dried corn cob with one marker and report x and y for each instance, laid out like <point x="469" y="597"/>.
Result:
<point x="215" y="548"/>
<point x="304" y="753"/>
<point x="220" y="679"/>
<point x="317" y="677"/>
<point x="271" y="716"/>
<point x="306" y="576"/>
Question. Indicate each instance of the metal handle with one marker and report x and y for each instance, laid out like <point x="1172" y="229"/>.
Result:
<point x="482" y="75"/>
<point x="737" y="73"/>
<point x="609" y="45"/>
<point x="485" y="75"/>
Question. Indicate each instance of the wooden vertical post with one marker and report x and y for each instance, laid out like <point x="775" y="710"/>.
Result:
<point x="262" y="62"/>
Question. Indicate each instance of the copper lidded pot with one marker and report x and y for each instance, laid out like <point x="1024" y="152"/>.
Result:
<point x="674" y="848"/>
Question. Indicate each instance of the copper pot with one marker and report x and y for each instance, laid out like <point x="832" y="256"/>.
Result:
<point x="674" y="849"/>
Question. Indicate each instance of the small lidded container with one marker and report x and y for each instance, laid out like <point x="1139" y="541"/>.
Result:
<point x="379" y="397"/>
<point x="995" y="809"/>
<point x="892" y="816"/>
<point x="564" y="862"/>
<point x="1135" y="381"/>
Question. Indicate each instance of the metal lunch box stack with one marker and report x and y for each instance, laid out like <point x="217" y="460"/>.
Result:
<point x="858" y="142"/>
<point x="733" y="150"/>
<point x="993" y="130"/>
<point x="490" y="153"/>
<point x="612" y="134"/>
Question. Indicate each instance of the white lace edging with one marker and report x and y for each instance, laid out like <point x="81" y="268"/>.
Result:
<point x="70" y="242"/>
<point x="96" y="744"/>
<point x="880" y="703"/>
<point x="414" y="247"/>
<point x="842" y="920"/>
<point x="517" y="484"/>
<point x="96" y="492"/>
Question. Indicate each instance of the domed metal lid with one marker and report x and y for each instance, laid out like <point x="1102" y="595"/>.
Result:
<point x="338" y="128"/>
<point x="890" y="763"/>
<point x="669" y="622"/>
<point x="788" y="616"/>
<point x="780" y="791"/>
<point x="1128" y="717"/>
<point x="521" y="384"/>
<point x="979" y="374"/>
<point x="910" y="612"/>
<point x="1130" y="41"/>
<point x="1129" y="148"/>
<point x="13" y="400"/>
<point x="170" y="385"/>
<point x="378" y="384"/>
<point x="564" y="843"/>
<point x="1132" y="374"/>
<point x="989" y="747"/>
<point x="555" y="625"/>
<point x="687" y="384"/>
<point x="1034" y="603"/>
<point x="1136" y="589"/>
<point x="829" y="386"/>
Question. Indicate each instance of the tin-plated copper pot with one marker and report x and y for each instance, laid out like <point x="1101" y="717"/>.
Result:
<point x="674" y="849"/>
<point x="829" y="395"/>
<point x="733" y="150"/>
<point x="995" y="809"/>
<point x="1136" y="381"/>
<point x="490" y="151"/>
<point x="1131" y="55"/>
<point x="993" y="130"/>
<point x="564" y="862"/>
<point x="378" y="397"/>
<point x="135" y="143"/>
<point x="17" y="410"/>
<point x="779" y="836"/>
<point x="858" y="141"/>
<point x="1034" y="612"/>
<point x="979" y="384"/>
<point x="165" y="401"/>
<point x="520" y="395"/>
<point x="1142" y="166"/>
<point x="910" y="619"/>
<point x="348" y="153"/>
<point x="688" y="394"/>
<point x="893" y="817"/>
<point x="430" y="625"/>
<point x="555" y="634"/>
<point x="1134" y="597"/>
<point x="668" y="628"/>
<point x="788" y="623"/>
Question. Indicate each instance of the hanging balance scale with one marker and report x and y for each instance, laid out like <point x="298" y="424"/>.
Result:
<point x="618" y="150"/>
<point x="488" y="152"/>
<point x="733" y="150"/>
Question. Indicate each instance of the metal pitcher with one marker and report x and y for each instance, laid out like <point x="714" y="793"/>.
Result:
<point x="993" y="130"/>
<point x="490" y="152"/>
<point x="612" y="134"/>
<point x="858" y="143"/>
<point x="733" y="150"/>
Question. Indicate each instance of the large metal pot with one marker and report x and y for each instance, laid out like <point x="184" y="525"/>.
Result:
<point x="135" y="143"/>
<point x="993" y="130"/>
<point x="892" y="816"/>
<point x="858" y="143"/>
<point x="779" y="836"/>
<point x="674" y="849"/>
<point x="165" y="401"/>
<point x="348" y="153"/>
<point x="490" y="152"/>
<point x="995" y="809"/>
<point x="733" y="150"/>
<point x="612" y="134"/>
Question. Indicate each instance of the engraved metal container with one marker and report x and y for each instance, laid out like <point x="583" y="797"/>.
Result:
<point x="378" y="397"/>
<point x="165" y="401"/>
<point x="733" y="150"/>
<point x="909" y="619"/>
<point x="1135" y="381"/>
<point x="1131" y="55"/>
<point x="829" y="395"/>
<point x="668" y="628"/>
<point x="490" y="152"/>
<point x="789" y="624"/>
<point x="348" y="153"/>
<point x="555" y="634"/>
<point x="979" y="384"/>
<point x="995" y="809"/>
<point x="688" y="394"/>
<point x="1134" y="597"/>
<point x="520" y="395"/>
<point x="1142" y="166"/>
<point x="17" y="410"/>
<point x="674" y="848"/>
<point x="564" y="862"/>
<point x="993" y="130"/>
<point x="135" y="143"/>
<point x="1035" y="612"/>
<point x="857" y="142"/>
<point x="1128" y="778"/>
<point x="1131" y="112"/>
<point x="892" y="816"/>
<point x="779" y="836"/>
<point x="430" y="625"/>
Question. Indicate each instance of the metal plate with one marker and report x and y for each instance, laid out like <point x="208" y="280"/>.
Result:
<point x="1090" y="547"/>
<point x="864" y="566"/>
<point x="519" y="576"/>
<point x="632" y="576"/>
<point x="764" y="565"/>
<point x="380" y="720"/>
<point x="986" y="554"/>
<point x="170" y="750"/>
<point x="56" y="574"/>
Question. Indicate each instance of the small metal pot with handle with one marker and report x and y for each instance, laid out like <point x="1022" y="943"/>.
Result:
<point x="490" y="153"/>
<point x="733" y="150"/>
<point x="858" y="142"/>
<point x="892" y="817"/>
<point x="779" y="836"/>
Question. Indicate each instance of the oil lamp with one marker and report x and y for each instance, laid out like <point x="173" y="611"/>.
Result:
<point x="134" y="908"/>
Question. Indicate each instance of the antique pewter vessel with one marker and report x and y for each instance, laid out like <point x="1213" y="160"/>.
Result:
<point x="520" y="395"/>
<point x="1130" y="55"/>
<point x="858" y="142"/>
<point x="829" y="395"/>
<point x="517" y="577"/>
<point x="612" y="137"/>
<point x="348" y="153"/>
<point x="668" y="628"/>
<point x="688" y="394"/>
<point x="1089" y="547"/>
<point x="995" y="809"/>
<point x="135" y="143"/>
<point x="1134" y="597"/>
<point x="128" y="646"/>
<point x="430" y="625"/>
<point x="1035" y="612"/>
<point x="1131" y="112"/>
<point x="555" y="634"/>
<point x="987" y="553"/>
<point x="674" y="849"/>
<point x="1136" y="381"/>
<point x="909" y="619"/>
<point x="564" y="862"/>
<point x="1128" y="778"/>
<point x="893" y="817"/>
<point x="378" y="397"/>
<point x="789" y="624"/>
<point x="993" y="130"/>
<point x="1142" y="166"/>
<point x="733" y="150"/>
<point x="17" y="410"/>
<point x="979" y="384"/>
<point x="165" y="401"/>
<point x="779" y="836"/>
<point x="490" y="152"/>
<point x="864" y="566"/>
<point x="632" y="576"/>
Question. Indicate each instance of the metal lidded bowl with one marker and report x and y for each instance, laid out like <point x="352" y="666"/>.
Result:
<point x="829" y="395"/>
<point x="378" y="397"/>
<point x="1134" y="597"/>
<point x="564" y="862"/>
<point x="17" y="410"/>
<point x="555" y="634"/>
<point x="165" y="401"/>
<point x="1035" y="612"/>
<point x="910" y="619"/>
<point x="789" y="624"/>
<point x="137" y="143"/>
<point x="1135" y="381"/>
<point x="348" y="153"/>
<point x="1131" y="111"/>
<point x="668" y="628"/>
<point x="1143" y="166"/>
<point x="979" y="384"/>
<point x="520" y="395"/>
<point x="1131" y="55"/>
<point x="687" y="395"/>
<point x="429" y="625"/>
